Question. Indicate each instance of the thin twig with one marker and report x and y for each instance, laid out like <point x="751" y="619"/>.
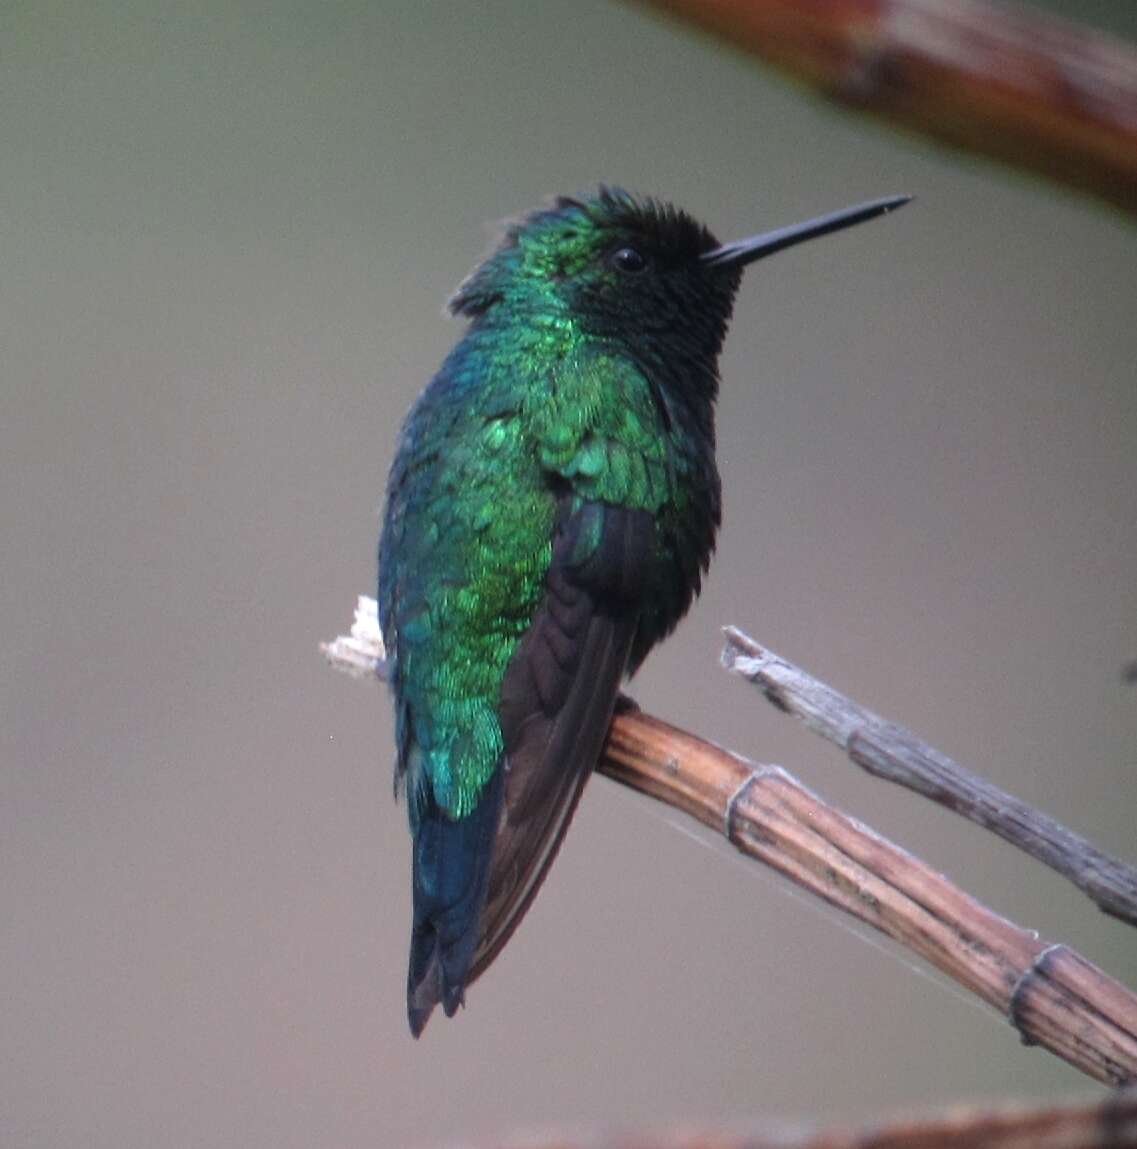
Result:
<point x="897" y="755"/>
<point x="1107" y="1124"/>
<point x="1052" y="995"/>
<point x="1009" y="82"/>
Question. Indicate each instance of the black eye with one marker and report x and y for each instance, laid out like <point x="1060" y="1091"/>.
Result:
<point x="627" y="259"/>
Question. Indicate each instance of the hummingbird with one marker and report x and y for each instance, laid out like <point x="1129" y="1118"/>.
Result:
<point x="550" y="513"/>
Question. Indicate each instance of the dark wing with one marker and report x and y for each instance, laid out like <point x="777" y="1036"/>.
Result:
<point x="557" y="701"/>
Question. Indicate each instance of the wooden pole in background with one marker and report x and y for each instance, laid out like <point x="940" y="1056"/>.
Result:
<point x="1005" y="81"/>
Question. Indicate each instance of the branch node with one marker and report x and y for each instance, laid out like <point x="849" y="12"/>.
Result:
<point x="733" y="800"/>
<point x="1039" y="968"/>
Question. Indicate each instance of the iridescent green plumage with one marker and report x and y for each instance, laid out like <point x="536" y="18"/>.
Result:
<point x="550" y="511"/>
<point x="531" y="395"/>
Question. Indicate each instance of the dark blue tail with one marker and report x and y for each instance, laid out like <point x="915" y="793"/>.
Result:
<point x="451" y="871"/>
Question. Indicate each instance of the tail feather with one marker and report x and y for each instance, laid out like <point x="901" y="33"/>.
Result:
<point x="451" y="872"/>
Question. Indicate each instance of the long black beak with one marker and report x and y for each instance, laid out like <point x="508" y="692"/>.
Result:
<point x="744" y="251"/>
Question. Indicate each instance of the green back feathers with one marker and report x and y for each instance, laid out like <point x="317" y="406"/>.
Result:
<point x="550" y="396"/>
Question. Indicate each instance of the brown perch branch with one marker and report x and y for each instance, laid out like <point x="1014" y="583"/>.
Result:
<point x="897" y="755"/>
<point x="1008" y="82"/>
<point x="1107" y="1124"/>
<point x="1052" y="995"/>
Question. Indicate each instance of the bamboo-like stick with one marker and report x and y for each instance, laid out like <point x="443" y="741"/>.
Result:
<point x="890" y="752"/>
<point x="1107" y="1124"/>
<point x="1007" y="81"/>
<point x="1052" y="995"/>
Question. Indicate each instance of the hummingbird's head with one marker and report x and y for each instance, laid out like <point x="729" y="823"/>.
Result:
<point x="638" y="272"/>
<point x="617" y="267"/>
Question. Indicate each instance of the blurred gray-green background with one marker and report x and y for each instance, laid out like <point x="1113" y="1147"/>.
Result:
<point x="226" y="233"/>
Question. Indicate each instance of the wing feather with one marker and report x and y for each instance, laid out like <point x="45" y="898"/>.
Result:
<point x="557" y="701"/>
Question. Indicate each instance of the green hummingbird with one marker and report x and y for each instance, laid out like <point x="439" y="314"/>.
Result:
<point x="550" y="512"/>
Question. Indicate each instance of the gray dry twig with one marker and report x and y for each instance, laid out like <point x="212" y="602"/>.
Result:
<point x="895" y="754"/>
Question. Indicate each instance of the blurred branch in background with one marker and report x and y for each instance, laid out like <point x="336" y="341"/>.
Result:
<point x="1107" y="1124"/>
<point x="890" y="752"/>
<point x="1005" y="81"/>
<point x="1052" y="995"/>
